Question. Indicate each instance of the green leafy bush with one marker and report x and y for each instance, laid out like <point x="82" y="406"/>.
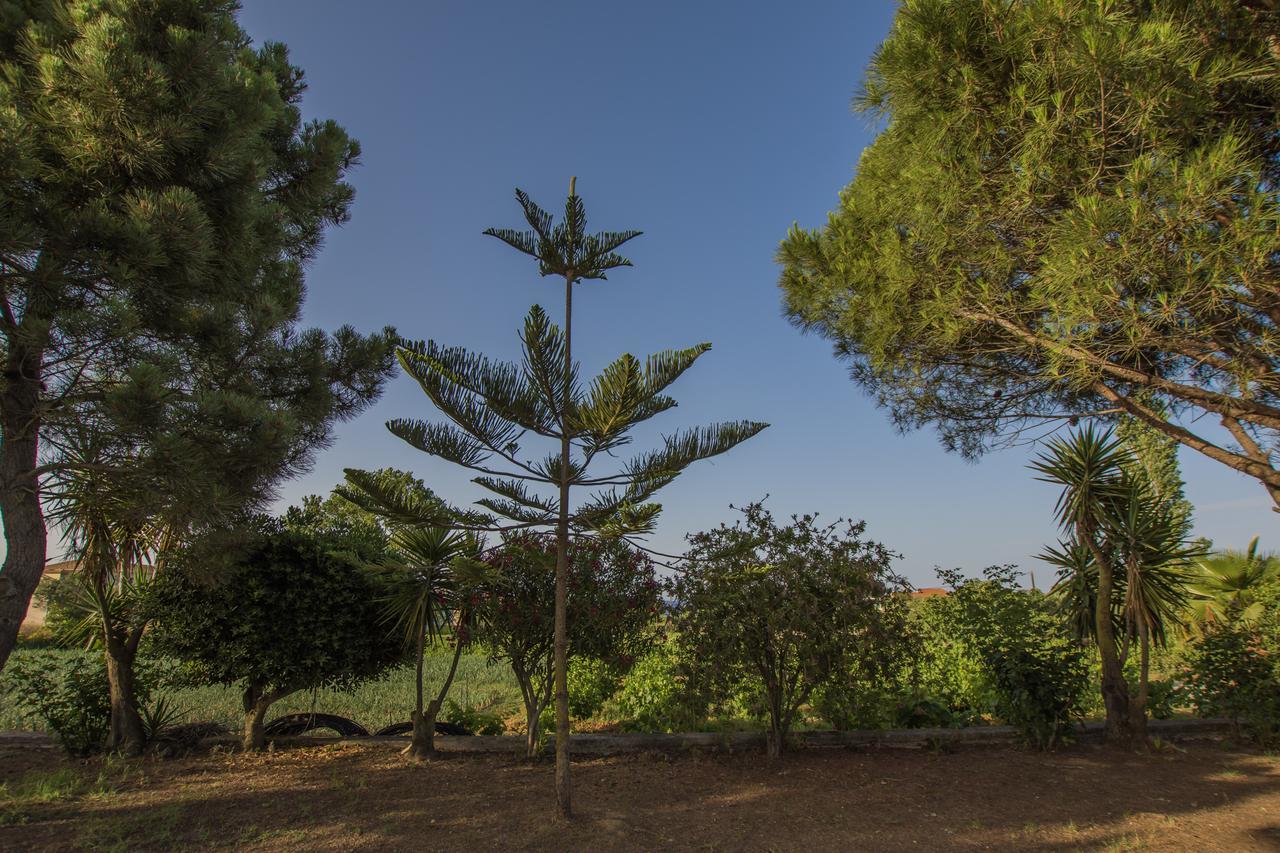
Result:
<point x="591" y="682"/>
<point x="654" y="696"/>
<point x="1229" y="673"/>
<point x="68" y="693"/>
<point x="789" y="607"/>
<point x="64" y="691"/>
<point x="474" y="720"/>
<point x="1011" y="652"/>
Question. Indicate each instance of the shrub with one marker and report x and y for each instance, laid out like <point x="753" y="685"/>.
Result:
<point x="1011" y="650"/>
<point x="68" y="693"/>
<point x="290" y="612"/>
<point x="654" y="695"/>
<point x="591" y="683"/>
<point x="613" y="600"/>
<point x="474" y="720"/>
<point x="793" y="606"/>
<point x="1229" y="674"/>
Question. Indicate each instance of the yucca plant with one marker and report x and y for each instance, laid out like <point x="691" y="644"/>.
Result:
<point x="1122" y="566"/>
<point x="428" y="576"/>
<point x="494" y="406"/>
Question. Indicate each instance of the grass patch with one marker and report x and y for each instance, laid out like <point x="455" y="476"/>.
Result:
<point x="479" y="684"/>
<point x="150" y="828"/>
<point x="41" y="787"/>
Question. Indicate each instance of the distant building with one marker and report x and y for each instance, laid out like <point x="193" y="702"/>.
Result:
<point x="928" y="592"/>
<point x="35" y="613"/>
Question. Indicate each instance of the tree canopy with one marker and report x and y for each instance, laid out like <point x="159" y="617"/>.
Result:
<point x="160" y="198"/>
<point x="1070" y="211"/>
<point x="286" y="611"/>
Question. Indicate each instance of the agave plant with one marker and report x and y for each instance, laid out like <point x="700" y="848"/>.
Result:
<point x="1224" y="584"/>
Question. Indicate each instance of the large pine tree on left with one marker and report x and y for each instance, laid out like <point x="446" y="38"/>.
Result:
<point x="160" y="197"/>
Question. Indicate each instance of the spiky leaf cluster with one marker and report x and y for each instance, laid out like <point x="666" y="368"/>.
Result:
<point x="1108" y="507"/>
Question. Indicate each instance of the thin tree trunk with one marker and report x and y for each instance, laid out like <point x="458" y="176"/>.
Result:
<point x="422" y="744"/>
<point x="424" y="724"/>
<point x="564" y="793"/>
<point x="1115" y="691"/>
<point x="23" y="518"/>
<point x="126" y="733"/>
<point x="1138" y="708"/>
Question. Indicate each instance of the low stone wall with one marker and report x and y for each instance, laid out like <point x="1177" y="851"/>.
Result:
<point x="612" y="744"/>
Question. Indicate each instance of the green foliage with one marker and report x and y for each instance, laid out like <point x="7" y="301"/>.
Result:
<point x="591" y="683"/>
<point x="473" y="720"/>
<point x="1070" y="210"/>
<point x="655" y="696"/>
<point x="1031" y="671"/>
<point x="1231" y="585"/>
<point x="1229" y="673"/>
<point x="794" y="606"/>
<point x="288" y="612"/>
<point x="613" y="600"/>
<point x="64" y="692"/>
<point x="69" y="694"/>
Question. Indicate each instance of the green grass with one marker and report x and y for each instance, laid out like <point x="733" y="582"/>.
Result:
<point x="479" y="684"/>
<point x="41" y="787"/>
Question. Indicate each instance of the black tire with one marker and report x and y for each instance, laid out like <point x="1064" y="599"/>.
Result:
<point x="299" y="724"/>
<point x="397" y="729"/>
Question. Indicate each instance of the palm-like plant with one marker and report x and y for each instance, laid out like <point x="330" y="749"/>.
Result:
<point x="429" y="575"/>
<point x="1122" y="566"/>
<point x="118" y="537"/>
<point x="1224" y="584"/>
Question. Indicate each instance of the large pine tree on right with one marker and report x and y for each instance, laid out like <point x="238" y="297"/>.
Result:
<point x="493" y="406"/>
<point x="1070" y="211"/>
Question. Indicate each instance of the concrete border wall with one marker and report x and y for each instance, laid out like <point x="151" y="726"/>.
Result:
<point x="613" y="744"/>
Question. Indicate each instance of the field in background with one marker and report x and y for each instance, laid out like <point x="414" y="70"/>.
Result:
<point x="479" y="684"/>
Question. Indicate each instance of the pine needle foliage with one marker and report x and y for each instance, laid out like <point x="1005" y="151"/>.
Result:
<point x="1070" y="212"/>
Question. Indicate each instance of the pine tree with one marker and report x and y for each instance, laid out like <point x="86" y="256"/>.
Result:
<point x="493" y="405"/>
<point x="1070" y="211"/>
<point x="160" y="197"/>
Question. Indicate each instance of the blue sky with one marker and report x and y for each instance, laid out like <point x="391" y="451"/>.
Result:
<point x="711" y="126"/>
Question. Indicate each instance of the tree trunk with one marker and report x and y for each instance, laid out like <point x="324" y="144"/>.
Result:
<point x="23" y="518"/>
<point x="1138" y="708"/>
<point x="423" y="744"/>
<point x="126" y="734"/>
<point x="1115" y="690"/>
<point x="257" y="700"/>
<point x="564" y="794"/>
<point x="777" y="724"/>
<point x="535" y="700"/>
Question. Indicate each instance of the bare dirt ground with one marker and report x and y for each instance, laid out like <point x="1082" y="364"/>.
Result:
<point x="348" y="796"/>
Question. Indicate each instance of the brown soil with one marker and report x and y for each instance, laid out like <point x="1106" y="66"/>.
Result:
<point x="350" y="796"/>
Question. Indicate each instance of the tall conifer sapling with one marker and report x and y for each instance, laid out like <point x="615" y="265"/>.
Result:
<point x="493" y="405"/>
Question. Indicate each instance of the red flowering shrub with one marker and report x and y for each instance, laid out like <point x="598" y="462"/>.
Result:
<point x="613" y="604"/>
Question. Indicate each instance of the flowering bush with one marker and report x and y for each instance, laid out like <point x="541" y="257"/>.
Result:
<point x="613" y="604"/>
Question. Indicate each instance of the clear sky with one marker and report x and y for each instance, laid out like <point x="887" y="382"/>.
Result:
<point x="711" y="126"/>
